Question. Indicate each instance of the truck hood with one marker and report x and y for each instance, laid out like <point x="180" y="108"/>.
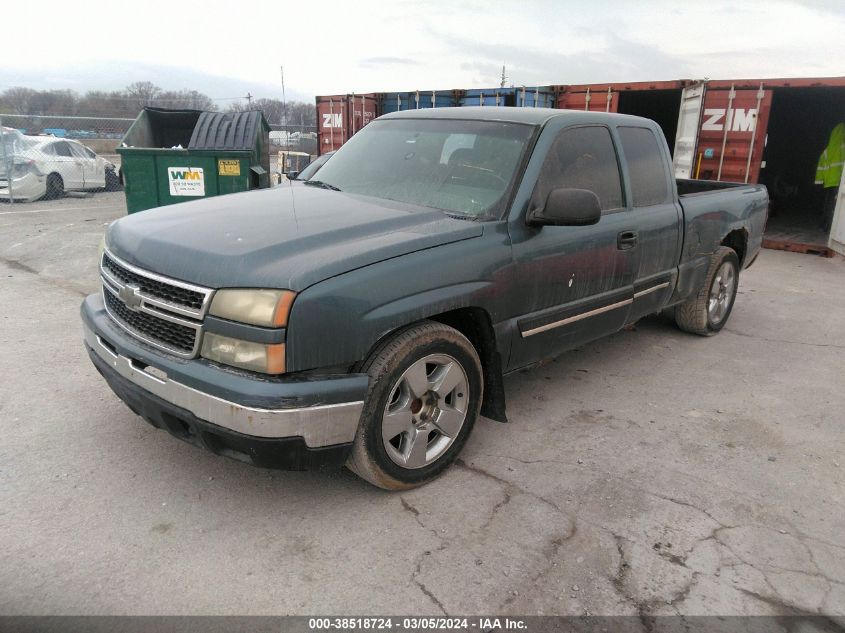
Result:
<point x="285" y="237"/>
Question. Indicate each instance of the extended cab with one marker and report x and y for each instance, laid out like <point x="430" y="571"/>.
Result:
<point x="367" y="317"/>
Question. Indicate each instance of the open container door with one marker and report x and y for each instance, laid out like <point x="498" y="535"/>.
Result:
<point x="837" y="233"/>
<point x="733" y="134"/>
<point x="689" y="120"/>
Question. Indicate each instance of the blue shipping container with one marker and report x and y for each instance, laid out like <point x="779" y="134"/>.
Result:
<point x="417" y="99"/>
<point x="522" y="97"/>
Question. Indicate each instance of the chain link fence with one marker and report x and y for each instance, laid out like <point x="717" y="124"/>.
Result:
<point x="43" y="157"/>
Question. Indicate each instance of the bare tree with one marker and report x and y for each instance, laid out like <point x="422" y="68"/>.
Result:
<point x="187" y="99"/>
<point x="272" y="109"/>
<point x="144" y="92"/>
<point x="53" y="102"/>
<point x="301" y="113"/>
<point x="17" y="100"/>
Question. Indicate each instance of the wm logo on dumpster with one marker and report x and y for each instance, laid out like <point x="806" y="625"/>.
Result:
<point x="186" y="181"/>
<point x="186" y="175"/>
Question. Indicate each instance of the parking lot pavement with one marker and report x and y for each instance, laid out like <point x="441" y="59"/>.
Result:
<point x="651" y="472"/>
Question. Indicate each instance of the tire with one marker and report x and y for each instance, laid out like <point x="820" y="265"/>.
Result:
<point x="55" y="187"/>
<point x="112" y="181"/>
<point x="707" y="312"/>
<point x="426" y="381"/>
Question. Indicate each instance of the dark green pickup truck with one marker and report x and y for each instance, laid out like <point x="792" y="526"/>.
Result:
<point x="367" y="318"/>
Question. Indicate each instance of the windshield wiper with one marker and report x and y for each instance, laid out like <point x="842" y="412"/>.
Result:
<point x="468" y="217"/>
<point x="320" y="183"/>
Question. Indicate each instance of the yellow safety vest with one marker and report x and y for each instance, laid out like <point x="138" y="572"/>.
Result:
<point x="829" y="171"/>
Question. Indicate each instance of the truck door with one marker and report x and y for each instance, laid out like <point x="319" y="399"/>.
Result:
<point x="573" y="283"/>
<point x="689" y="119"/>
<point x="653" y="207"/>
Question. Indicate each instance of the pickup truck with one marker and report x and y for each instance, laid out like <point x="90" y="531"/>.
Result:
<point x="367" y="318"/>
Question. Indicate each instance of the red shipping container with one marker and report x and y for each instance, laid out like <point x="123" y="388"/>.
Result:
<point x="341" y="116"/>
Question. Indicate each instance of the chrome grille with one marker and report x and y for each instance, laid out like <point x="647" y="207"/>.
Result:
<point x="162" y="312"/>
<point x="152" y="328"/>
<point x="184" y="298"/>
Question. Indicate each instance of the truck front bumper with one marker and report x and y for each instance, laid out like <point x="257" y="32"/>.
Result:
<point x="293" y="424"/>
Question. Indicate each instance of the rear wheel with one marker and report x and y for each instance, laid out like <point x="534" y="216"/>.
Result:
<point x="55" y="187"/>
<point x="424" y="397"/>
<point x="707" y="312"/>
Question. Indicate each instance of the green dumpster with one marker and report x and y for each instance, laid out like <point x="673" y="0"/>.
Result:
<point x="171" y="156"/>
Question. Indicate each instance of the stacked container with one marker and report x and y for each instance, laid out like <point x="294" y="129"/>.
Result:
<point x="418" y="99"/>
<point x="524" y="97"/>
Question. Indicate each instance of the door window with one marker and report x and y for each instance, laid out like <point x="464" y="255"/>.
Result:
<point x="81" y="151"/>
<point x="582" y="158"/>
<point x="645" y="166"/>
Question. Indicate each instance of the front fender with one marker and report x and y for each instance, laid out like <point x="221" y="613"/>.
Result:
<point x="338" y="321"/>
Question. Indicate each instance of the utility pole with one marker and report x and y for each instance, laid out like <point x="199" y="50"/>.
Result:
<point x="248" y="99"/>
<point x="504" y="77"/>
<point x="284" y="100"/>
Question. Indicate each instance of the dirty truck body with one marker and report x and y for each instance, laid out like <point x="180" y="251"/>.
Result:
<point x="368" y="317"/>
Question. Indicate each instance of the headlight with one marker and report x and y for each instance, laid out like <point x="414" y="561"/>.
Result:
<point x="268" y="359"/>
<point x="268" y="308"/>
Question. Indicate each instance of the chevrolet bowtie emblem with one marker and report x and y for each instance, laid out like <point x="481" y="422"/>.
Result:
<point x="129" y="295"/>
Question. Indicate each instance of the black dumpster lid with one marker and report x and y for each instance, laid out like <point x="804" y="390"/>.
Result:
<point x="230" y="130"/>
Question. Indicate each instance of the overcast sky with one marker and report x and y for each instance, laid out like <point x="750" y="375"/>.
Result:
<point x="227" y="48"/>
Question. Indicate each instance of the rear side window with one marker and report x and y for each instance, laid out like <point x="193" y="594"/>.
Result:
<point x="62" y="149"/>
<point x="645" y="166"/>
<point x="582" y="158"/>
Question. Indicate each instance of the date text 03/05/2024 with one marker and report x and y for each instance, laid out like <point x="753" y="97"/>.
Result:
<point x="415" y="624"/>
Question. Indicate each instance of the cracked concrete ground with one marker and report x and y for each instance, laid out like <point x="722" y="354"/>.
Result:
<point x="649" y="473"/>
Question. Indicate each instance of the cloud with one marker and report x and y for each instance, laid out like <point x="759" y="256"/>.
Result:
<point x="621" y="60"/>
<point x="387" y="61"/>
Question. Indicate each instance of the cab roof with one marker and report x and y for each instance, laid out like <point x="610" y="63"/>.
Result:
<point x="529" y="116"/>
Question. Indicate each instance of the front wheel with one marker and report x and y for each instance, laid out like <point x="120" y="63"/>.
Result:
<point x="112" y="181"/>
<point x="425" y="393"/>
<point x="707" y="312"/>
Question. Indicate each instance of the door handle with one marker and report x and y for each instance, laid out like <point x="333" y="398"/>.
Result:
<point x="626" y="240"/>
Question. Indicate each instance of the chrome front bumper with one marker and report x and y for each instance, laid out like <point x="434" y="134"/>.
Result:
<point x="319" y="425"/>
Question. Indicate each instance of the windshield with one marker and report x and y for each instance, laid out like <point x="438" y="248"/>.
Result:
<point x="465" y="167"/>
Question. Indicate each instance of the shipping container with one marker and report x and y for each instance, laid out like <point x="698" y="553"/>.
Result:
<point x="417" y="99"/>
<point x="522" y="97"/>
<point x="769" y="131"/>
<point x="657" y="100"/>
<point x="341" y="116"/>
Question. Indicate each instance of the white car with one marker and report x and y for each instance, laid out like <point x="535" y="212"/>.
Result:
<point x="47" y="167"/>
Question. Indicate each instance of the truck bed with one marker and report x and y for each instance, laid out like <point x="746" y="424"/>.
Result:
<point x="689" y="187"/>
<point x="714" y="212"/>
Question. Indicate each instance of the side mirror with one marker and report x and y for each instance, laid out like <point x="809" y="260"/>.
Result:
<point x="567" y="207"/>
<point x="292" y="174"/>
